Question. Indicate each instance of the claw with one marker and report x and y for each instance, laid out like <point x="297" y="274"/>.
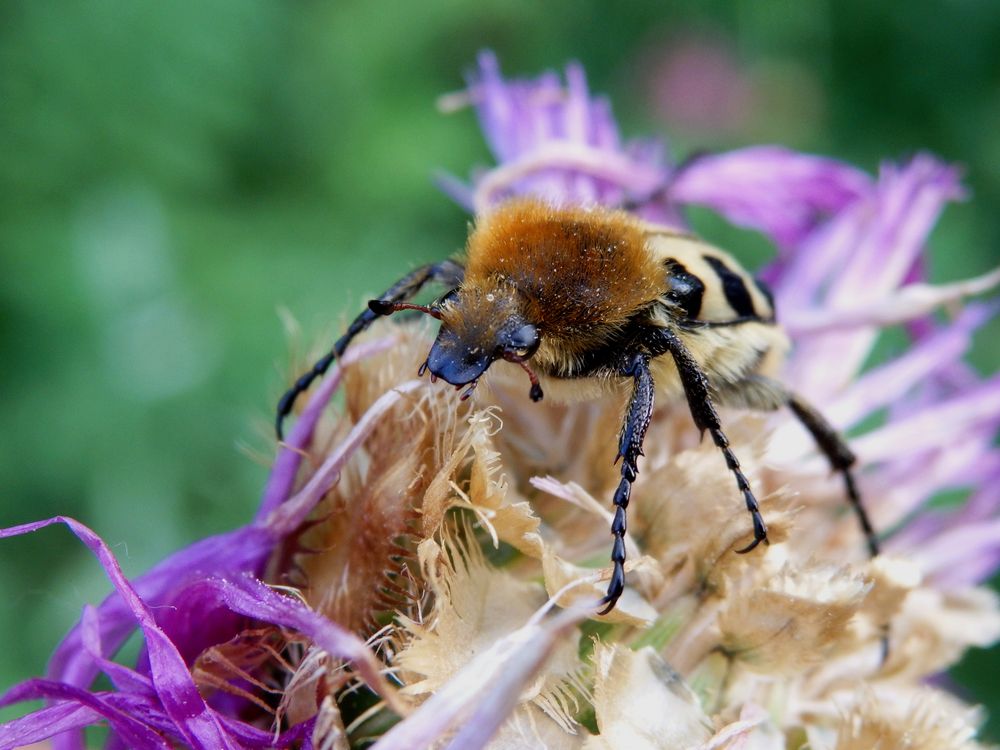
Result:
<point x="615" y="589"/>
<point x="750" y="547"/>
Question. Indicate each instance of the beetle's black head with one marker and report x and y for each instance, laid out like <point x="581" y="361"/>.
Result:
<point x="460" y="360"/>
<point x="477" y="329"/>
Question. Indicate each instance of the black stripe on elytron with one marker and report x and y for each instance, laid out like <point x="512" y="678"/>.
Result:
<point x="684" y="289"/>
<point x="733" y="287"/>
<point x="765" y="289"/>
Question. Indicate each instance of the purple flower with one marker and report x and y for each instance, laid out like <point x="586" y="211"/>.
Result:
<point x="554" y="142"/>
<point x="362" y="530"/>
<point x="850" y="260"/>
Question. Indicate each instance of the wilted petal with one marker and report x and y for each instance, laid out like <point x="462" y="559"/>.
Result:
<point x="530" y="729"/>
<point x="475" y="606"/>
<point x="568" y="584"/>
<point x="484" y="692"/>
<point x="752" y="731"/>
<point x="935" y="628"/>
<point x="927" y="723"/>
<point x="642" y="704"/>
<point x="892" y="580"/>
<point x="515" y="523"/>
<point x="289" y="515"/>
<point x="793" y="620"/>
<point x="250" y="597"/>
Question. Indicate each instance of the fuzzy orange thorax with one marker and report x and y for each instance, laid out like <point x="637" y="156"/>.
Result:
<point x="567" y="270"/>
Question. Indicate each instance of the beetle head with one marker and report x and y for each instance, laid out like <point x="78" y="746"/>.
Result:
<point x="477" y="328"/>
<point x="461" y="354"/>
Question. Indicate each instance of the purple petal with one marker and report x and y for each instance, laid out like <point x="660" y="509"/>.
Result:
<point x="123" y="678"/>
<point x="181" y="700"/>
<point x="454" y="188"/>
<point x="137" y="734"/>
<point x="908" y="203"/>
<point x="980" y="469"/>
<point x="250" y="597"/>
<point x="552" y="142"/>
<point x="949" y="422"/>
<point x="960" y="556"/>
<point x="241" y="551"/>
<point x="779" y="192"/>
<point x="890" y="382"/>
<point x="45" y="723"/>
<point x="911" y="304"/>
<point x="904" y="485"/>
<point x="871" y="245"/>
<point x="861" y="256"/>
<point x="984" y="504"/>
<point x="528" y="176"/>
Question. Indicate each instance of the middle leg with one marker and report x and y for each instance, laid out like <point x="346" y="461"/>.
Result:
<point x="698" y="392"/>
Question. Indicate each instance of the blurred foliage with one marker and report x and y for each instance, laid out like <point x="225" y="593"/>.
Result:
<point x="171" y="174"/>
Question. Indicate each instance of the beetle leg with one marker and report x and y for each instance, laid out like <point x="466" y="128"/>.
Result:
<point x="640" y="410"/>
<point x="447" y="272"/>
<point x="697" y="390"/>
<point x="764" y="394"/>
<point x="841" y="459"/>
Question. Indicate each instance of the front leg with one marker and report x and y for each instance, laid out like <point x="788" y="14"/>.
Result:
<point x="447" y="272"/>
<point x="640" y="410"/>
<point x="696" y="388"/>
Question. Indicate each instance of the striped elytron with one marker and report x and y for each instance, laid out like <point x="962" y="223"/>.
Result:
<point x="591" y="297"/>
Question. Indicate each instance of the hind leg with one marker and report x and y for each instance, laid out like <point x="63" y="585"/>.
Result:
<point x="764" y="394"/>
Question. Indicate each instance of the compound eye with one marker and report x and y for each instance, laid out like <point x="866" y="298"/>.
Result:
<point x="522" y="343"/>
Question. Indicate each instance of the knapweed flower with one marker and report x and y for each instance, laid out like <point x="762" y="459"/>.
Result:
<point x="422" y="570"/>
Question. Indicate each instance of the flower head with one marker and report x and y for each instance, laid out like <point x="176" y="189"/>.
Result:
<point x="431" y="565"/>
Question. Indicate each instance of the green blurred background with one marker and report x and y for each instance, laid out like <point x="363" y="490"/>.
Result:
<point x="174" y="174"/>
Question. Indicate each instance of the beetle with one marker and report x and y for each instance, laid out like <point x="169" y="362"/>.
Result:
<point x="584" y="298"/>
